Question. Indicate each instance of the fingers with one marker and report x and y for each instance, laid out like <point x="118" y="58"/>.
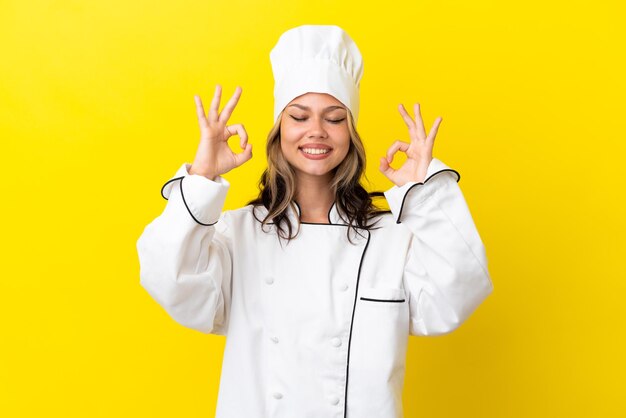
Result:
<point x="407" y="118"/>
<point x="244" y="156"/>
<point x="215" y="105"/>
<point x="395" y="147"/>
<point x="238" y="130"/>
<point x="230" y="106"/>
<point x="419" y="123"/>
<point x="385" y="168"/>
<point x="385" y="162"/>
<point x="200" y="110"/>
<point x="433" y="131"/>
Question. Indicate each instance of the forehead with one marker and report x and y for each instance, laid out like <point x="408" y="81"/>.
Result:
<point x="316" y="101"/>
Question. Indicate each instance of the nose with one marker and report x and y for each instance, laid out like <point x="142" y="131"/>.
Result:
<point x="316" y="130"/>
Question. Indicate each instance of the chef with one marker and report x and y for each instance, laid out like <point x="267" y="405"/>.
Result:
<point x="314" y="287"/>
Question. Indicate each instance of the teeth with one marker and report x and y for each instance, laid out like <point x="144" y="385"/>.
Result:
<point x="315" y="150"/>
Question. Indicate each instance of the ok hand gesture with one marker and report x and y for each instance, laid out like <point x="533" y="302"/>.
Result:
<point x="214" y="157"/>
<point x="419" y="152"/>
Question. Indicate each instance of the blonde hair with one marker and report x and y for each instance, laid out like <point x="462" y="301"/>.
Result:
<point x="278" y="186"/>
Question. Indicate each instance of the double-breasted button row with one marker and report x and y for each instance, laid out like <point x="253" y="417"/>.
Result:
<point x="335" y="342"/>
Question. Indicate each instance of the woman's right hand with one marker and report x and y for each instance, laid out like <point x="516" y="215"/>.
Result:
<point x="214" y="157"/>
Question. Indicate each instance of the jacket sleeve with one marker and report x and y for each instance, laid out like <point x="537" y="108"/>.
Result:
<point x="185" y="253"/>
<point x="445" y="275"/>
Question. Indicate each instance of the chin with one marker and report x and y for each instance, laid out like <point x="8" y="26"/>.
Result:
<point x="314" y="171"/>
<point x="320" y="173"/>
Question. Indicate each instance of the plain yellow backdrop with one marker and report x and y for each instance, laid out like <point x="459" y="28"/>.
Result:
<point x="97" y="112"/>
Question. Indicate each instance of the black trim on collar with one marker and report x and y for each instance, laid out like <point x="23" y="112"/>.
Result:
<point x="260" y="206"/>
<point x="422" y="183"/>
<point x="330" y="222"/>
<point x="184" y="201"/>
<point x="307" y="223"/>
<point x="356" y="292"/>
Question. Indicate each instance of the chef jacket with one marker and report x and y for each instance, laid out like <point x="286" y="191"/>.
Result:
<point x="316" y="327"/>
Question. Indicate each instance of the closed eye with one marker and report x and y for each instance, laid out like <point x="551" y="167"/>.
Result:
<point x="329" y="120"/>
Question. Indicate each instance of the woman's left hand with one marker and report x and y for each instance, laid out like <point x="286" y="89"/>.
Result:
<point x="419" y="152"/>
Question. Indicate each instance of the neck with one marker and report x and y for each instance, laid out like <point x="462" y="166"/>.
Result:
<point x="314" y="198"/>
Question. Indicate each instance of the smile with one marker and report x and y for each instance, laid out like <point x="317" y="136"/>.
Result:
<point x="315" y="153"/>
<point x="315" y="150"/>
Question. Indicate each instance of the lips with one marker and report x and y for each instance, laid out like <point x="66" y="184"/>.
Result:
<point x="314" y="145"/>
<point x="315" y="151"/>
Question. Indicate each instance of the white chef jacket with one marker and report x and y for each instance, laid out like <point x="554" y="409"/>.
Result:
<point x="316" y="327"/>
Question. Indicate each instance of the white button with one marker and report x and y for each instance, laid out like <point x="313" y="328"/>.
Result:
<point x="336" y="342"/>
<point x="274" y="339"/>
<point x="334" y="400"/>
<point x="277" y="395"/>
<point x="343" y="287"/>
<point x="269" y="280"/>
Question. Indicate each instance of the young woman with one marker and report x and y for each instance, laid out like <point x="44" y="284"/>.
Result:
<point x="315" y="288"/>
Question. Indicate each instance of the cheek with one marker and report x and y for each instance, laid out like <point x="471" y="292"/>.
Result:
<point x="344" y="143"/>
<point x="284" y="149"/>
<point x="284" y="137"/>
<point x="344" y="151"/>
<point x="287" y="144"/>
<point x="288" y="149"/>
<point x="290" y="134"/>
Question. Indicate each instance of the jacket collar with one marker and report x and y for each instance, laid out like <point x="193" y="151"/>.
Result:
<point x="334" y="218"/>
<point x="293" y="214"/>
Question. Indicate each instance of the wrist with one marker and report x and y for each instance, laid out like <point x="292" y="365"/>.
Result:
<point x="208" y="175"/>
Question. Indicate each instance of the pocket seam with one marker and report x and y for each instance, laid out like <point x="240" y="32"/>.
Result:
<point x="383" y="300"/>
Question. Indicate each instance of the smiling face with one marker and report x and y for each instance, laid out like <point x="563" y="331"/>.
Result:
<point x="314" y="133"/>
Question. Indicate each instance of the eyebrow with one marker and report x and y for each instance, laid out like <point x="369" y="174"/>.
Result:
<point x="328" y="109"/>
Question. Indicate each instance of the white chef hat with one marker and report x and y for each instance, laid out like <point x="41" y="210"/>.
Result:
<point x="320" y="59"/>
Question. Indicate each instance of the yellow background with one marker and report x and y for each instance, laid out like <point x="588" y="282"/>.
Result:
<point x="97" y="112"/>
